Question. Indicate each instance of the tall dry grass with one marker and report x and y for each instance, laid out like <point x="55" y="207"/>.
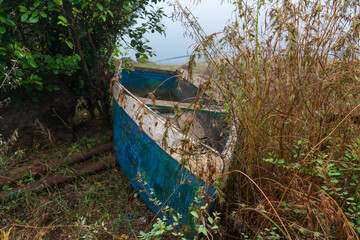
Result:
<point x="289" y="74"/>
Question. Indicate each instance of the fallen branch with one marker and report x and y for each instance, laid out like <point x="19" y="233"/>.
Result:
<point x="40" y="169"/>
<point x="81" y="156"/>
<point x="61" y="178"/>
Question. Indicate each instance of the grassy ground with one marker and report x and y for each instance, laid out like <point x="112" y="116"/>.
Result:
<point x="99" y="206"/>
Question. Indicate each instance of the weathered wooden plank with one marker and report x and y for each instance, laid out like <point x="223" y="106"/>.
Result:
<point x="171" y="104"/>
<point x="143" y="69"/>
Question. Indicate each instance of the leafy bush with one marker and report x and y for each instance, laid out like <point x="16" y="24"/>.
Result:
<point x="73" y="41"/>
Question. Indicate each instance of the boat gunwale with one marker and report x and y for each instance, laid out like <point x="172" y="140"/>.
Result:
<point x="153" y="70"/>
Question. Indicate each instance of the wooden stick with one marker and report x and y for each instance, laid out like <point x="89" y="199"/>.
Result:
<point x="61" y="178"/>
<point x="81" y="156"/>
<point x="39" y="169"/>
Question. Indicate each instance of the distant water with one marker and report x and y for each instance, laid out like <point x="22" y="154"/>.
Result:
<point x="170" y="49"/>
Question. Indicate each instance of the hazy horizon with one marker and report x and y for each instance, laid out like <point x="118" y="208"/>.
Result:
<point x="212" y="15"/>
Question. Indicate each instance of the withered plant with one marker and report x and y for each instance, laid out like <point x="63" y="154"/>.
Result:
<point x="288" y="72"/>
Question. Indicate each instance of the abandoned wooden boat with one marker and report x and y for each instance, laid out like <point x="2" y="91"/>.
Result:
<point x="170" y="139"/>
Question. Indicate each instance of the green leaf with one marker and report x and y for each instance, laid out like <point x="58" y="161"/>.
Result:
<point x="33" y="19"/>
<point x="125" y="4"/>
<point x="33" y="63"/>
<point x="63" y="19"/>
<point x="269" y="160"/>
<point x="35" y="13"/>
<point x="100" y="7"/>
<point x="18" y="53"/>
<point x="110" y="12"/>
<point x="49" y="59"/>
<point x="210" y="220"/>
<point x="133" y="43"/>
<point x="77" y="57"/>
<point x="296" y="210"/>
<point x="17" y="45"/>
<point x="44" y="15"/>
<point x="84" y="4"/>
<point x="56" y="87"/>
<point x="195" y="214"/>
<point x="38" y="83"/>
<point x="6" y="187"/>
<point x="28" y="54"/>
<point x="143" y="59"/>
<point x="70" y="44"/>
<point x="334" y="180"/>
<point x="203" y="231"/>
<point x="334" y="174"/>
<point x="24" y="17"/>
<point x="103" y="18"/>
<point x="22" y="9"/>
<point x="9" y="22"/>
<point x="2" y="29"/>
<point x="58" y="2"/>
<point x="281" y="161"/>
<point x="37" y="3"/>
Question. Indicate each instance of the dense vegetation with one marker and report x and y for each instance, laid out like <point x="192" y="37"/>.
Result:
<point x="73" y="41"/>
<point x="289" y="73"/>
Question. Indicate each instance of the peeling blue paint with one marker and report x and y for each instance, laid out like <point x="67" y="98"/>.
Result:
<point x="173" y="185"/>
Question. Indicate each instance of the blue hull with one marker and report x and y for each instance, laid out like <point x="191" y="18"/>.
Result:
<point x="168" y="182"/>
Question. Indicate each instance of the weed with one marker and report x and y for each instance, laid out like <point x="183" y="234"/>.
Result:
<point x="288" y="73"/>
<point x="85" y="144"/>
<point x="171" y="223"/>
<point x="5" y="234"/>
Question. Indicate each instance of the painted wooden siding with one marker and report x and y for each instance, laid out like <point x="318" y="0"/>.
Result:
<point x="137" y="153"/>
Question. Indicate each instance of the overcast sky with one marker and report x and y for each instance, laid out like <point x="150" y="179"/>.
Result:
<point x="212" y="15"/>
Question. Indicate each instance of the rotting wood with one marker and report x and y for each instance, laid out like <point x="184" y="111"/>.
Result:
<point x="144" y="69"/>
<point x="39" y="169"/>
<point x="61" y="178"/>
<point x="81" y="156"/>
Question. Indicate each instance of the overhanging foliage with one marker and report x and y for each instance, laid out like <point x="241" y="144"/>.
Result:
<point x="73" y="41"/>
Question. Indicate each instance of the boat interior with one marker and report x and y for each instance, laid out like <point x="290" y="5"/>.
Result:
<point x="180" y="103"/>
